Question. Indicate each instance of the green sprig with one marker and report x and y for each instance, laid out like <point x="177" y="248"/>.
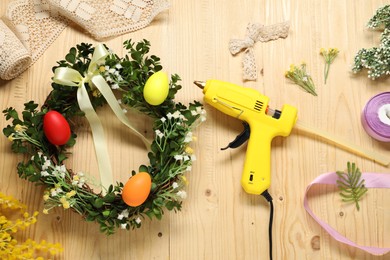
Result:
<point x="351" y="185"/>
<point x="376" y="59"/>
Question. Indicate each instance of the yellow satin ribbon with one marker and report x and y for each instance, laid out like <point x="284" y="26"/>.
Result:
<point x="70" y="77"/>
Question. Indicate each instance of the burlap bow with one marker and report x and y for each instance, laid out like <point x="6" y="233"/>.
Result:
<point x="256" y="32"/>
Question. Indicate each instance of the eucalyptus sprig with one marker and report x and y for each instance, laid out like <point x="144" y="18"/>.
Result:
<point x="376" y="59"/>
<point x="351" y="185"/>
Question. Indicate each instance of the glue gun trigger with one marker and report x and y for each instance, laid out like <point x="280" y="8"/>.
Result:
<point x="240" y="139"/>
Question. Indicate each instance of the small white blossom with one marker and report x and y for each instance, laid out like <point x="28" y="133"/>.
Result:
<point x="159" y="133"/>
<point x="124" y="226"/>
<point x="189" y="168"/>
<point x="178" y="157"/>
<point x="188" y="137"/>
<point x="175" y="185"/>
<point x="45" y="174"/>
<point x="186" y="158"/>
<point x="124" y="110"/>
<point x="193" y="157"/>
<point x="163" y="119"/>
<point x="169" y="115"/>
<point x="138" y="220"/>
<point x="118" y="66"/>
<point x="182" y="194"/>
<point x="115" y="86"/>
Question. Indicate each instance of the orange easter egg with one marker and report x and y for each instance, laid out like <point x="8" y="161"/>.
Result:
<point x="137" y="189"/>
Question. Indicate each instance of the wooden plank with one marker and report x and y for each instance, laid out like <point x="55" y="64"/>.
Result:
<point x="219" y="220"/>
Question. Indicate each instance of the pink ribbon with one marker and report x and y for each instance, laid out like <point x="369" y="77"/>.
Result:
<point x="372" y="180"/>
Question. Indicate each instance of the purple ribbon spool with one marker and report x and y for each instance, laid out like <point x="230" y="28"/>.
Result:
<point x="376" y="117"/>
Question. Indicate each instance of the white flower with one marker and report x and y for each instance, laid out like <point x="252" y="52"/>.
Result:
<point x="159" y="133"/>
<point x="45" y="173"/>
<point x="124" y="226"/>
<point x="115" y="86"/>
<point x="189" y="168"/>
<point x="120" y="217"/>
<point x="124" y="110"/>
<point x="163" y="119"/>
<point x="186" y="157"/>
<point x="46" y="164"/>
<point x="178" y="157"/>
<point x="175" y="185"/>
<point x="119" y="101"/>
<point x="118" y="66"/>
<point x="169" y="115"/>
<point x="193" y="157"/>
<point x="182" y="194"/>
<point x="188" y="137"/>
<point x="176" y="114"/>
<point x="138" y="220"/>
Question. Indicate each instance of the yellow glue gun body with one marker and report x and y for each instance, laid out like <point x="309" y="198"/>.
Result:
<point x="252" y="107"/>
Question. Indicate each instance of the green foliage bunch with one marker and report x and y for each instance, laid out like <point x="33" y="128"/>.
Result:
<point x="376" y="59"/>
<point x="170" y="154"/>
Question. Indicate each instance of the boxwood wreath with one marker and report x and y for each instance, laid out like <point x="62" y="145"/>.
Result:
<point x="169" y="153"/>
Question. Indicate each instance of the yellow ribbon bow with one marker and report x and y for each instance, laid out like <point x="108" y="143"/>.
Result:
<point x="71" y="77"/>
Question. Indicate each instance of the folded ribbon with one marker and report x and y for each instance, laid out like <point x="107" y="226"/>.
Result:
<point x="371" y="180"/>
<point x="256" y="32"/>
<point x="70" y="77"/>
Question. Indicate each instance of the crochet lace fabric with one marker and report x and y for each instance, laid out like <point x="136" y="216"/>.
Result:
<point x="30" y="26"/>
<point x="110" y="18"/>
<point x="256" y="32"/>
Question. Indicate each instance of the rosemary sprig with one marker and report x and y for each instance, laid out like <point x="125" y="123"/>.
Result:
<point x="351" y="185"/>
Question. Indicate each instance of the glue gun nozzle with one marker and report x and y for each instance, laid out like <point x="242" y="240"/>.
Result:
<point x="200" y="84"/>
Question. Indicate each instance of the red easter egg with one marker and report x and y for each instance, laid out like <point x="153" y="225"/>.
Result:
<point x="56" y="128"/>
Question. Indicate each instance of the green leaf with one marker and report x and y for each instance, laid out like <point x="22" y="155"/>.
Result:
<point x="351" y="185"/>
<point x="98" y="203"/>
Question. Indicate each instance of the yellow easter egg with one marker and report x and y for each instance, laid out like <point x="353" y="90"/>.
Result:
<point x="156" y="88"/>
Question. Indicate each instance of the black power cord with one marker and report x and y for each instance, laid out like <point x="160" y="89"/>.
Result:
<point x="268" y="197"/>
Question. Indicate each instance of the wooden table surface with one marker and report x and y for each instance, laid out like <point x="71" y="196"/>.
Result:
<point x="218" y="219"/>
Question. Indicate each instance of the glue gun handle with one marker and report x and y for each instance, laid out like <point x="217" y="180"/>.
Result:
<point x="256" y="176"/>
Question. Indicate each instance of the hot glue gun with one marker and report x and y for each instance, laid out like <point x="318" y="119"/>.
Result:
<point x="261" y="125"/>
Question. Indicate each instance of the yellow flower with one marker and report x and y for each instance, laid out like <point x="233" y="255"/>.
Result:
<point x="70" y="194"/>
<point x="11" y="137"/>
<point x="19" y="128"/>
<point x="63" y="200"/>
<point x="189" y="150"/>
<point x="66" y="205"/>
<point x="46" y="197"/>
<point x="45" y="211"/>
<point x="102" y="69"/>
<point x="186" y="182"/>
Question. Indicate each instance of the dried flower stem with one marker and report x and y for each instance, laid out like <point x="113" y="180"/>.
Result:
<point x="300" y="77"/>
<point x="329" y="56"/>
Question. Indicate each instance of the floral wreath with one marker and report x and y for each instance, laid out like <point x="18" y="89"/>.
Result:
<point x="85" y="80"/>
